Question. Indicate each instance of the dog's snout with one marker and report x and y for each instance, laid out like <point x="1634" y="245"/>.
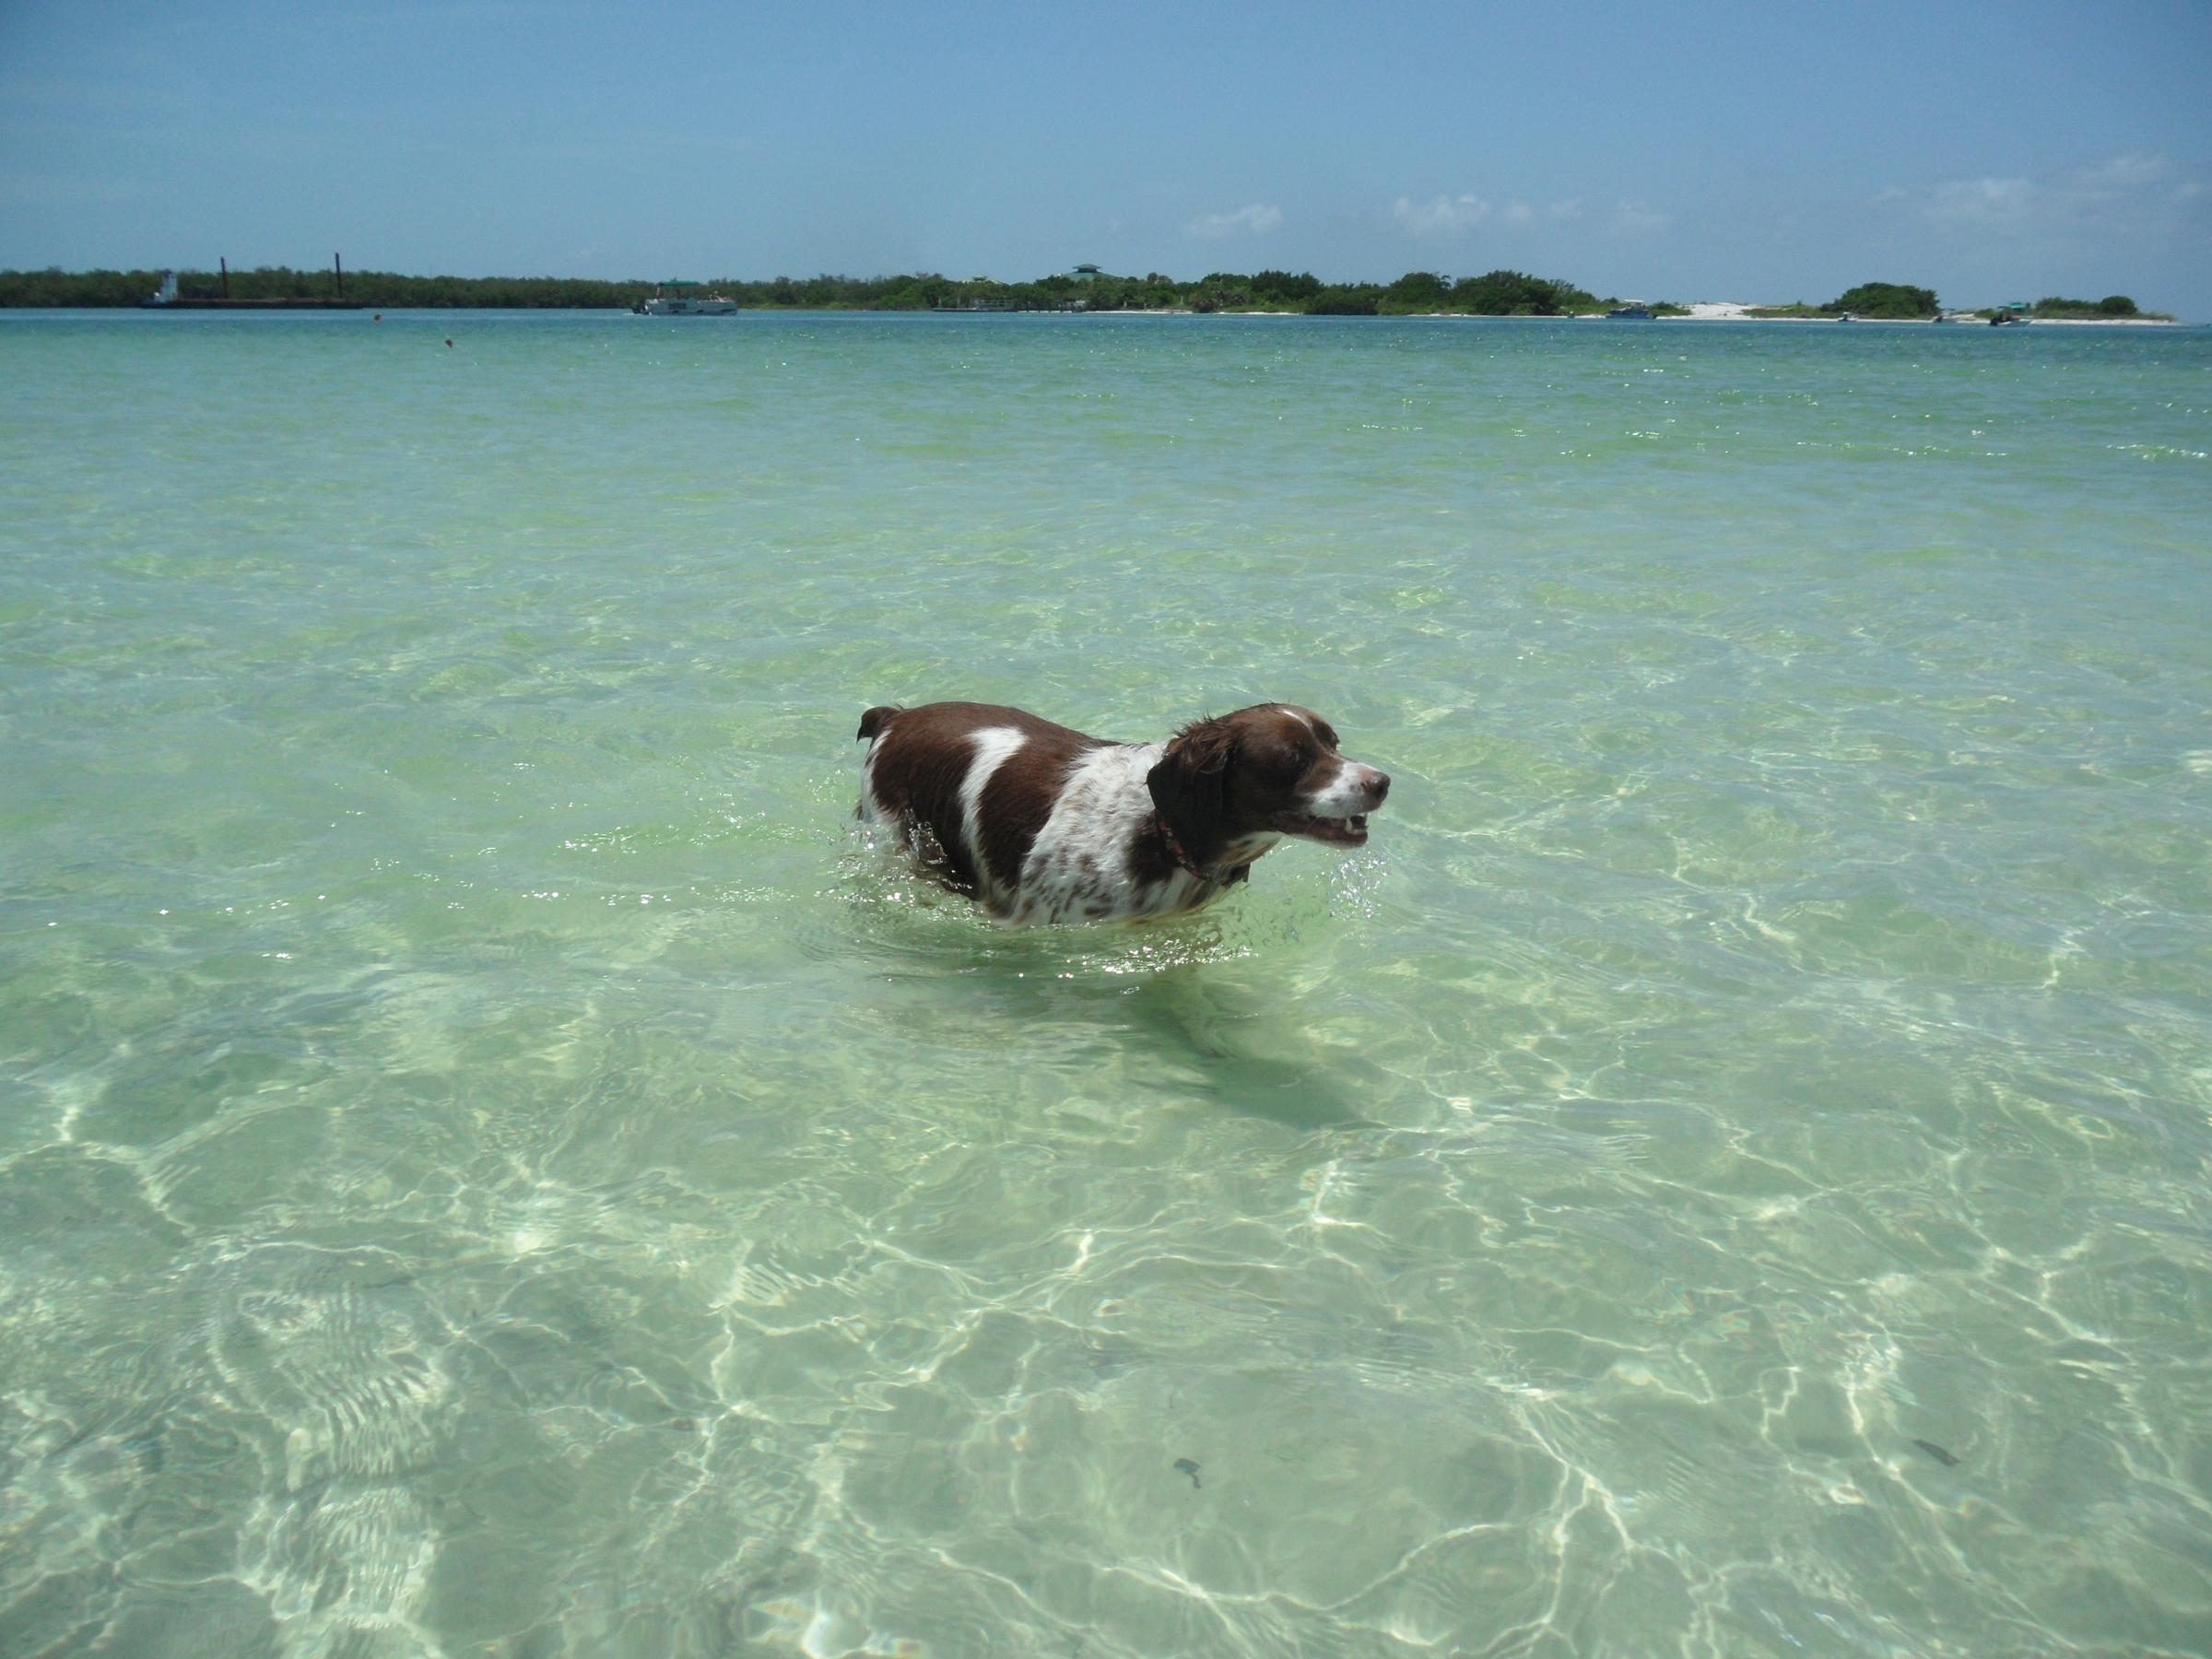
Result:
<point x="1378" y="784"/>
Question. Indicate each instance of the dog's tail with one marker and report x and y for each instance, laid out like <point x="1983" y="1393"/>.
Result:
<point x="874" y="719"/>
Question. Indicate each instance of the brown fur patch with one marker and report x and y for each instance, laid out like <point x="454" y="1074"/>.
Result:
<point x="1016" y="802"/>
<point x="1224" y="780"/>
<point x="925" y="754"/>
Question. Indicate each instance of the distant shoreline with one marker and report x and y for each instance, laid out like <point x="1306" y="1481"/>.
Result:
<point x="1729" y="310"/>
<point x="1085" y="288"/>
<point x="1702" y="313"/>
<point x="1732" y="315"/>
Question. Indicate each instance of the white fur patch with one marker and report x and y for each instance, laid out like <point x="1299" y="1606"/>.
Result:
<point x="994" y="747"/>
<point x="1078" y="866"/>
<point x="1344" y="793"/>
<point x="871" y="810"/>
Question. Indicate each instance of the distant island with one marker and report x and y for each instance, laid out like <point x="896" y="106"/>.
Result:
<point x="1085" y="289"/>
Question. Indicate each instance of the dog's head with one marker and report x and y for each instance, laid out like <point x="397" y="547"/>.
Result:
<point x="1230" y="786"/>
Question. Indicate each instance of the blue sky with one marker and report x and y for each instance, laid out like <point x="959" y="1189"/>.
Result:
<point x="1688" y="151"/>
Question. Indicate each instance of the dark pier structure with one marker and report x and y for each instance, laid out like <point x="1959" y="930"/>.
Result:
<point x="169" y="299"/>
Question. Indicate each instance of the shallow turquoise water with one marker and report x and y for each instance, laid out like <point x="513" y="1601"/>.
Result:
<point x="490" y="1164"/>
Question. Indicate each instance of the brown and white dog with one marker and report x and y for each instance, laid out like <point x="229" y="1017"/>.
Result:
<point x="1046" y="824"/>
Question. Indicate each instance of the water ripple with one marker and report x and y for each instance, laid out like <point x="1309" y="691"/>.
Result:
<point x="490" y="1160"/>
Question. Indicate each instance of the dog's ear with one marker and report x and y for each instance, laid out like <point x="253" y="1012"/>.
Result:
<point x="1187" y="783"/>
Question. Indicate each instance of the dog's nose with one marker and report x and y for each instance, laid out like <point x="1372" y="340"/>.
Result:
<point x="1378" y="786"/>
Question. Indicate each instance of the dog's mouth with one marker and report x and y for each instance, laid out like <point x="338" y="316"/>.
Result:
<point x="1336" y="831"/>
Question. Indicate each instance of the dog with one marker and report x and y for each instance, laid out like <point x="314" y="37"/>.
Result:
<point x="1045" y="824"/>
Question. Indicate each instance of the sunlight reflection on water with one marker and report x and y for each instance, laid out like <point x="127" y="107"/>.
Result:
<point x="490" y="1157"/>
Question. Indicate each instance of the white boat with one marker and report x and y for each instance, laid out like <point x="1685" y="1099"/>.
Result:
<point x="665" y="304"/>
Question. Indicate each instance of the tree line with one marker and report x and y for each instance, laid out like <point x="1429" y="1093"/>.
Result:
<point x="2112" y="305"/>
<point x="1494" y="294"/>
<point x="1898" y="301"/>
<point x="1498" y="293"/>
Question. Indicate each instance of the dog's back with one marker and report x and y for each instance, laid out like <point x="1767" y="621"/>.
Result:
<point x="971" y="784"/>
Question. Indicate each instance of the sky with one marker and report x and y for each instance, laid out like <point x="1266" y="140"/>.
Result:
<point x="1689" y="151"/>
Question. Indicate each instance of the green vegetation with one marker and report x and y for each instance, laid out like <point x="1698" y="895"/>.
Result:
<point x="1415" y="294"/>
<point x="1499" y="294"/>
<point x="1493" y="294"/>
<point x="1418" y="293"/>
<point x="52" y="287"/>
<point x="1224" y="290"/>
<point x="1342" y="300"/>
<point x="1884" y="299"/>
<point x="1891" y="300"/>
<point x="2112" y="305"/>
<point x="56" y="287"/>
<point x="1512" y="294"/>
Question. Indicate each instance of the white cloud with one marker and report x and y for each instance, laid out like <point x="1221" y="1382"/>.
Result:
<point x="1638" y="217"/>
<point x="1984" y="204"/>
<point x="1255" y="219"/>
<point x="2129" y="192"/>
<point x="1445" y="216"/>
<point x="2120" y="174"/>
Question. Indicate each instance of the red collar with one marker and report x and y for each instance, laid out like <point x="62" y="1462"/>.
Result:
<point x="1184" y="861"/>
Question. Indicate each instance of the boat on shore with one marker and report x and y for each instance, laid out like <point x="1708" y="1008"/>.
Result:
<point x="1631" y="313"/>
<point x="680" y="304"/>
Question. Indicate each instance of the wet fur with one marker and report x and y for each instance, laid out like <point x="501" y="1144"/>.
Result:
<point x="1044" y="823"/>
